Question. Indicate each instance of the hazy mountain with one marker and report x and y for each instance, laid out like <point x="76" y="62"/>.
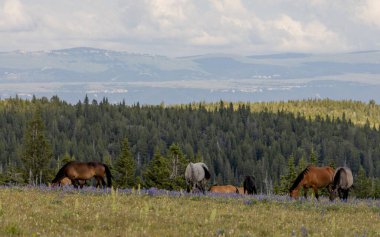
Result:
<point x="72" y="73"/>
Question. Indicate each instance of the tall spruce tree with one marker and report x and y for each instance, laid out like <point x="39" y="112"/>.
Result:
<point x="157" y="173"/>
<point x="37" y="152"/>
<point x="178" y="167"/>
<point x="313" y="157"/>
<point x="287" y="180"/>
<point x="125" y="167"/>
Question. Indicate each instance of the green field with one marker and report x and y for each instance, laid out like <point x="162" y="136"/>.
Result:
<point x="45" y="212"/>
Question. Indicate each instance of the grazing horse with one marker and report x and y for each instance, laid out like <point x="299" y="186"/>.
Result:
<point x="223" y="189"/>
<point x="249" y="185"/>
<point x="82" y="171"/>
<point x="342" y="183"/>
<point x="312" y="177"/>
<point x="197" y="175"/>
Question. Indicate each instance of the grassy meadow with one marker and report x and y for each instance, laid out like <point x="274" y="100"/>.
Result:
<point x="43" y="211"/>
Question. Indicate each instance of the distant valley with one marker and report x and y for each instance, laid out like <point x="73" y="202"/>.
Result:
<point x="148" y="79"/>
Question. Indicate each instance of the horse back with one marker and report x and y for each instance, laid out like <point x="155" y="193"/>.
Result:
<point x="319" y="176"/>
<point x="81" y="170"/>
<point x="343" y="178"/>
<point x="224" y="189"/>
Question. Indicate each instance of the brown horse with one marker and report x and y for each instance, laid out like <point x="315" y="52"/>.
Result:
<point x="82" y="171"/>
<point x="312" y="177"/>
<point x="223" y="189"/>
<point x="241" y="190"/>
<point x="249" y="185"/>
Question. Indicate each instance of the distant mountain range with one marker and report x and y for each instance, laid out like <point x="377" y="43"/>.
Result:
<point x="148" y="79"/>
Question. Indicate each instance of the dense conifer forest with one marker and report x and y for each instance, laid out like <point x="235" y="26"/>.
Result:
<point x="268" y="140"/>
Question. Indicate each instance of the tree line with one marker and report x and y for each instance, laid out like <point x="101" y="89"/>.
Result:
<point x="150" y="145"/>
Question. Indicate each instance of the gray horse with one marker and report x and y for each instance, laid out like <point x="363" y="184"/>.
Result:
<point x="342" y="183"/>
<point x="197" y="175"/>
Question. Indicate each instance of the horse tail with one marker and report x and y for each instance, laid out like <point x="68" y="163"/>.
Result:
<point x="336" y="180"/>
<point x="109" y="175"/>
<point x="61" y="173"/>
<point x="207" y="172"/>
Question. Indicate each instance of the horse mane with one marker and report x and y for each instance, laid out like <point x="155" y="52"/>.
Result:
<point x="299" y="178"/>
<point x="61" y="173"/>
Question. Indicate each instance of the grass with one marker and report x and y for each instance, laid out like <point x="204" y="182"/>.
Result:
<point x="45" y="212"/>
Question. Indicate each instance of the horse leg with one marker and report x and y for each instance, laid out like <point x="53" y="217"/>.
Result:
<point x="316" y="193"/>
<point x="97" y="181"/>
<point x="345" y="195"/>
<point x="305" y="192"/>
<point x="340" y="193"/>
<point x="74" y="182"/>
<point x="81" y="183"/>
<point x="103" y="182"/>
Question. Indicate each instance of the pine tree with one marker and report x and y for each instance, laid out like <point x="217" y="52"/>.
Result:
<point x="158" y="172"/>
<point x="287" y="180"/>
<point x="125" y="167"/>
<point x="178" y="167"/>
<point x="36" y="153"/>
<point x="313" y="157"/>
<point x="301" y="164"/>
<point x="362" y="184"/>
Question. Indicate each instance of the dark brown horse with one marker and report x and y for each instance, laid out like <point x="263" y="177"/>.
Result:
<point x="223" y="189"/>
<point x="249" y="185"/>
<point x="312" y="177"/>
<point x="78" y="172"/>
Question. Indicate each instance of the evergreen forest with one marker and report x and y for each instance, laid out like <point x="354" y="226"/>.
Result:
<point x="151" y="145"/>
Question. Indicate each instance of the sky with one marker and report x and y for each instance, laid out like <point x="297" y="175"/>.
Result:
<point x="192" y="27"/>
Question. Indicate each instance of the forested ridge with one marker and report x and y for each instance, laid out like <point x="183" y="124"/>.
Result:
<point x="260" y="139"/>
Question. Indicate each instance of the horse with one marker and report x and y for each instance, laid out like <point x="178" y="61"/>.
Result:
<point x="82" y="171"/>
<point x="241" y="190"/>
<point x="249" y="185"/>
<point x="342" y="183"/>
<point x="312" y="177"/>
<point x="223" y="189"/>
<point x="66" y="181"/>
<point x="197" y="175"/>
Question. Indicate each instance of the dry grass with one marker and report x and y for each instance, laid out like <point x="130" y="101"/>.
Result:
<point x="36" y="212"/>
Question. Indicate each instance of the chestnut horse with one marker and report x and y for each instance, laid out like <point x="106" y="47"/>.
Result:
<point x="78" y="172"/>
<point x="312" y="177"/>
<point x="223" y="189"/>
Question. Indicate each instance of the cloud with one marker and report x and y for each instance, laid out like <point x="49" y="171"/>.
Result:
<point x="302" y="36"/>
<point x="185" y="27"/>
<point x="369" y="12"/>
<point x="14" y="18"/>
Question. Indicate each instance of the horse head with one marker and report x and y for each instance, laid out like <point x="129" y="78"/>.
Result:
<point x="293" y="193"/>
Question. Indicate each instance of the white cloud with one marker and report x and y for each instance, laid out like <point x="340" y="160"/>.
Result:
<point x="306" y="36"/>
<point x="13" y="17"/>
<point x="183" y="27"/>
<point x="369" y="12"/>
